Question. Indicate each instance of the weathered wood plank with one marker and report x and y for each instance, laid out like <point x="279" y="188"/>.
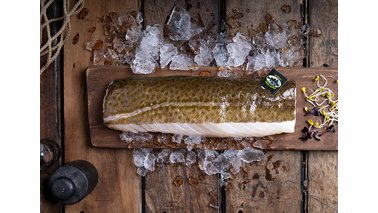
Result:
<point x="119" y="187"/>
<point x="245" y="16"/>
<point x="51" y="112"/>
<point x="322" y="166"/>
<point x="50" y="122"/>
<point x="323" y="50"/>
<point x="161" y="194"/>
<point x="284" y="193"/>
<point x="322" y="182"/>
<point x="158" y="12"/>
<point x="272" y="185"/>
<point x="98" y="78"/>
<point x="178" y="188"/>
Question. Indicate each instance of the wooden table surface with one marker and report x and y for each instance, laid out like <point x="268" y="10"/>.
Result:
<point x="288" y="181"/>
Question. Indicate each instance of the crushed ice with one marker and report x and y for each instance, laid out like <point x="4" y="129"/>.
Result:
<point x="147" y="52"/>
<point x="238" y="50"/>
<point x="209" y="161"/>
<point x="183" y="43"/>
<point x="137" y="137"/>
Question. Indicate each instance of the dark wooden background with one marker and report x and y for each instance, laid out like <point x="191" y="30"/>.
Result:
<point x="288" y="181"/>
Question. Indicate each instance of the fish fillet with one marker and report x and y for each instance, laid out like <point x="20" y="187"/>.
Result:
<point x="206" y="106"/>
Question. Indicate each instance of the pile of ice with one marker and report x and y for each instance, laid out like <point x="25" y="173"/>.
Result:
<point x="209" y="161"/>
<point x="182" y="44"/>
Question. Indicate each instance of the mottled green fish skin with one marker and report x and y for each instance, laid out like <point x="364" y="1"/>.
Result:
<point x="187" y="99"/>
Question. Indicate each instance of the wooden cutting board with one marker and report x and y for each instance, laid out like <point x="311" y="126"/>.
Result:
<point x="98" y="78"/>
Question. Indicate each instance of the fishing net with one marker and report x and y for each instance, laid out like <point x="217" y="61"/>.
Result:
<point x="50" y="42"/>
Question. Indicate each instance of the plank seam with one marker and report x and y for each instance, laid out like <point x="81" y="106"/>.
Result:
<point x="143" y="179"/>
<point x="143" y="188"/>
<point x="304" y="165"/>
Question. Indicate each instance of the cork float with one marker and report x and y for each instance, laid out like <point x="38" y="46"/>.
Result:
<point x="206" y="106"/>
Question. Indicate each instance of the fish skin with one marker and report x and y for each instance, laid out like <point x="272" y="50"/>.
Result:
<point x="195" y="100"/>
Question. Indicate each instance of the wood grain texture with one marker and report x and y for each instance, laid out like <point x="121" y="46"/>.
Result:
<point x="323" y="50"/>
<point x="51" y="113"/>
<point x="272" y="185"/>
<point x="161" y="195"/>
<point x="284" y="193"/>
<point x="245" y="16"/>
<point x="98" y="77"/>
<point x="323" y="166"/>
<point x="178" y="188"/>
<point x="322" y="182"/>
<point x="119" y="187"/>
<point x="50" y="127"/>
<point x="158" y="12"/>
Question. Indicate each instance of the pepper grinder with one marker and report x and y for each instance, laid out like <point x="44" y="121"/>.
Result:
<point x="70" y="183"/>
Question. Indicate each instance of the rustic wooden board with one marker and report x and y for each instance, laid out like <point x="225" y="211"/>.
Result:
<point x="98" y="77"/>
<point x="161" y="194"/>
<point x="178" y="188"/>
<point x="272" y="185"/>
<point x="323" y="166"/>
<point x="119" y="187"/>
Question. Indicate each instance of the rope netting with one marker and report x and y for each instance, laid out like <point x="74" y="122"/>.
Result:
<point x="51" y="43"/>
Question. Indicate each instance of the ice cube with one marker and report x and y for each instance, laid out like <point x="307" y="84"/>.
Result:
<point x="234" y="160"/>
<point x="177" y="156"/>
<point x="162" y="138"/>
<point x="163" y="156"/>
<point x="149" y="162"/>
<point x="226" y="74"/>
<point x="133" y="34"/>
<point x="238" y="50"/>
<point x="136" y="137"/>
<point x="191" y="158"/>
<point x="193" y="139"/>
<point x="224" y="176"/>
<point x="147" y="51"/>
<point x="177" y="138"/>
<point x="209" y="168"/>
<point x="276" y="39"/>
<point x="290" y="56"/>
<point x="151" y="41"/>
<point x="220" y="54"/>
<point x="249" y="155"/>
<point x="167" y="52"/>
<point x="138" y="157"/>
<point x="179" y="25"/>
<point x="129" y="19"/>
<point x="203" y="53"/>
<point x="93" y="45"/>
<point x="143" y="63"/>
<point x="264" y="59"/>
<point x="208" y="155"/>
<point x="181" y="62"/>
<point x="222" y="163"/>
<point x="142" y="171"/>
